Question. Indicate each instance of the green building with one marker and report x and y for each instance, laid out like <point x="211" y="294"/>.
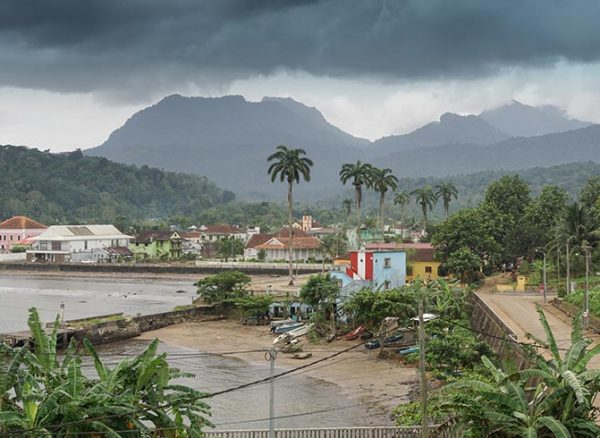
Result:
<point x="156" y="245"/>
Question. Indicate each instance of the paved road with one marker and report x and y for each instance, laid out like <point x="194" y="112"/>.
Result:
<point x="519" y="313"/>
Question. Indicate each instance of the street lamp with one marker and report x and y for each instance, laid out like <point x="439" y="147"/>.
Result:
<point x="544" y="253"/>
<point x="586" y="299"/>
<point x="569" y="266"/>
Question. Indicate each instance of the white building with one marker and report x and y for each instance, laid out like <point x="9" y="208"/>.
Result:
<point x="74" y="243"/>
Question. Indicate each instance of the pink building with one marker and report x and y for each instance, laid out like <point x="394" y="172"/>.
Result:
<point x="17" y="228"/>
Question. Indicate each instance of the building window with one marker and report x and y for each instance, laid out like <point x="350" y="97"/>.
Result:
<point x="11" y="236"/>
<point x="386" y="284"/>
<point x="428" y="269"/>
<point x="387" y="262"/>
<point x="85" y="244"/>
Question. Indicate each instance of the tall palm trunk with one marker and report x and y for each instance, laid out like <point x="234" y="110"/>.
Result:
<point x="381" y="203"/>
<point x="291" y="232"/>
<point x="357" y="196"/>
<point x="424" y="218"/>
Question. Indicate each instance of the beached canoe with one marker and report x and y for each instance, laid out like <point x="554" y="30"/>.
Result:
<point x="355" y="333"/>
<point x="292" y="334"/>
<point x="284" y="328"/>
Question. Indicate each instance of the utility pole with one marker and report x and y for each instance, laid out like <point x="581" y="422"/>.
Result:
<point x="270" y="356"/>
<point x="423" y="377"/>
<point x="61" y="313"/>
<point x="586" y="304"/>
<point x="538" y="250"/>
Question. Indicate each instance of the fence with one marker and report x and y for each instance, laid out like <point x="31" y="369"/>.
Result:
<point x="445" y="430"/>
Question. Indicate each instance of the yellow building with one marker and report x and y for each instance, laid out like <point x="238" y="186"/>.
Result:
<point x="420" y="259"/>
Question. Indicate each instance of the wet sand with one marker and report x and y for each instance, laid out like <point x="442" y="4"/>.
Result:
<point x="361" y="377"/>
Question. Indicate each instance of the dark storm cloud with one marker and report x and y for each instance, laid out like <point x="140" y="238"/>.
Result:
<point x="75" y="45"/>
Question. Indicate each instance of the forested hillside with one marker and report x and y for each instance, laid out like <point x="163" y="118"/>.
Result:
<point x="72" y="188"/>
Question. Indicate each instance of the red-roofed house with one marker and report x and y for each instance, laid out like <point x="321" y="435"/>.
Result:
<point x="18" y="228"/>
<point x="303" y="248"/>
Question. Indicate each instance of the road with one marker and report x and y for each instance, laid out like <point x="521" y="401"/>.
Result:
<point x="519" y="313"/>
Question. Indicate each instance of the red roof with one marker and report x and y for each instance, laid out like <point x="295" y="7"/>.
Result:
<point x="221" y="229"/>
<point x="190" y="234"/>
<point x="258" y="239"/>
<point x="21" y="223"/>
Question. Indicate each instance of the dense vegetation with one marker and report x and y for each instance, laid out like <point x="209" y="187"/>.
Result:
<point x="44" y="394"/>
<point x="67" y="188"/>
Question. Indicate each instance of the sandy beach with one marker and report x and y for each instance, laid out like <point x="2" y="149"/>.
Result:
<point x="360" y="376"/>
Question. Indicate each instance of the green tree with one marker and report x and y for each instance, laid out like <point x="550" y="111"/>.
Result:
<point x="382" y="180"/>
<point x="289" y="165"/>
<point x="322" y="292"/>
<point x="369" y="308"/>
<point x="402" y="199"/>
<point x="542" y="216"/>
<point x="426" y="199"/>
<point x="446" y="191"/>
<point x="464" y="264"/>
<point x="261" y="255"/>
<point x="471" y="228"/>
<point x="510" y="195"/>
<point x="226" y="285"/>
<point x="254" y="306"/>
<point x="229" y="247"/>
<point x="590" y="192"/>
<point x="360" y="173"/>
<point x="43" y="394"/>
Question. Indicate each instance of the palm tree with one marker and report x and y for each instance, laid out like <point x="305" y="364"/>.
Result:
<point x="347" y="205"/>
<point x="446" y="191"/>
<point x="426" y="198"/>
<point x="402" y="199"/>
<point x="360" y="173"/>
<point x="290" y="166"/>
<point x="383" y="180"/>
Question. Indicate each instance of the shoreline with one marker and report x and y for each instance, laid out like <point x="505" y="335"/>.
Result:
<point x="380" y="385"/>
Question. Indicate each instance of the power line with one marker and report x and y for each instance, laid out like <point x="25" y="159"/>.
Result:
<point x="208" y="395"/>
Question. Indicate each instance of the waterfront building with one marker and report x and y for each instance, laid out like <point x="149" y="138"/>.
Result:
<point x="17" y="229"/>
<point x="74" y="243"/>
<point x="157" y="245"/>
<point x="420" y="258"/>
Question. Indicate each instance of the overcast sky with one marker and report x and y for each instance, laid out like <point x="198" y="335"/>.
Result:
<point x="72" y="71"/>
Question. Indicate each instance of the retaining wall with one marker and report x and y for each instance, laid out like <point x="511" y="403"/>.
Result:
<point x="572" y="310"/>
<point x="158" y="269"/>
<point x="496" y="333"/>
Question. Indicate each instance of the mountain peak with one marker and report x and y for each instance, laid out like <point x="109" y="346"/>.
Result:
<point x="522" y="120"/>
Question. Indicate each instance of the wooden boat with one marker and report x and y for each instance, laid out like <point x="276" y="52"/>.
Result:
<point x="275" y="324"/>
<point x="284" y="328"/>
<point x="408" y="350"/>
<point x="387" y="342"/>
<point x="292" y="334"/>
<point x="354" y="334"/>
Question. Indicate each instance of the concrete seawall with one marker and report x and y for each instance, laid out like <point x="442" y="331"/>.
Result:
<point x="158" y="269"/>
<point x="115" y="327"/>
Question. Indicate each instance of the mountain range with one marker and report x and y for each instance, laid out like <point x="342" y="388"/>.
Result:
<point x="228" y="139"/>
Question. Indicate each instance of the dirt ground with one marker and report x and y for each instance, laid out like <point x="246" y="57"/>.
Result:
<point x="357" y="372"/>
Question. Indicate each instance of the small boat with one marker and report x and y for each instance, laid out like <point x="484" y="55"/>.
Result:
<point x="408" y="350"/>
<point x="387" y="342"/>
<point x="292" y="334"/>
<point x="284" y="328"/>
<point x="281" y="322"/>
<point x="354" y="334"/>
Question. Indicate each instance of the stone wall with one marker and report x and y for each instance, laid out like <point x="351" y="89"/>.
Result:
<point x="117" y="329"/>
